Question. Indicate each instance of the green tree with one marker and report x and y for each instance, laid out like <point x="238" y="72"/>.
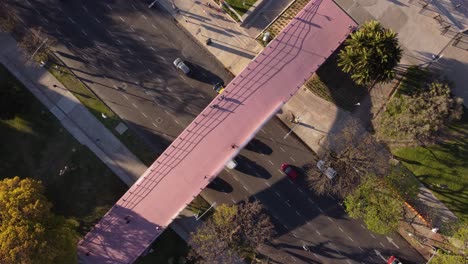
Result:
<point x="29" y="232"/>
<point x="370" y="54"/>
<point x="376" y="203"/>
<point x="420" y="115"/>
<point x="443" y="257"/>
<point x="232" y="233"/>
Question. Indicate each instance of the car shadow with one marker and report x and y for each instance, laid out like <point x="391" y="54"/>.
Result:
<point x="258" y="146"/>
<point x="202" y="75"/>
<point x="249" y="167"/>
<point x="220" y="185"/>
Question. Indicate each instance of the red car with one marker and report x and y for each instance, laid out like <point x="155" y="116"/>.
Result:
<point x="289" y="171"/>
<point x="393" y="260"/>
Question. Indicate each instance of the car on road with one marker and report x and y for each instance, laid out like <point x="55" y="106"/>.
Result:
<point x="289" y="171"/>
<point x="180" y="64"/>
<point x="393" y="260"/>
<point x="219" y="87"/>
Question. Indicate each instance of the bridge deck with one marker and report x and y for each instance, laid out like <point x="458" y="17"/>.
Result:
<point x="217" y="135"/>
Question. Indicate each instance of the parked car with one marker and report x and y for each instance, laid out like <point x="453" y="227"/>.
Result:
<point x="219" y="87"/>
<point x="289" y="171"/>
<point x="393" y="260"/>
<point x="180" y="64"/>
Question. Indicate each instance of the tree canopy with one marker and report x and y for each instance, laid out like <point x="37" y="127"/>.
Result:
<point x="421" y="114"/>
<point x="370" y="54"/>
<point x="377" y="204"/>
<point x="232" y="233"/>
<point x="29" y="232"/>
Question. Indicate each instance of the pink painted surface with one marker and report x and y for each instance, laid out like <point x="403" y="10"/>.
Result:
<point x="216" y="135"/>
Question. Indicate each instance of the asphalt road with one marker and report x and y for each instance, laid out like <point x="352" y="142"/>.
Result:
<point x="124" y="52"/>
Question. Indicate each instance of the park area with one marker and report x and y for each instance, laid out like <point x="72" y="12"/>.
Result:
<point x="34" y="144"/>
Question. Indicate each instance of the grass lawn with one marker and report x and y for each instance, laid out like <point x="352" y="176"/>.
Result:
<point x="34" y="144"/>
<point x="239" y="6"/>
<point x="443" y="167"/>
<point x="97" y="108"/>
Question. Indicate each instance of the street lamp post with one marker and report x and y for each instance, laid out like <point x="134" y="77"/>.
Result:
<point x="297" y="121"/>
<point x="199" y="217"/>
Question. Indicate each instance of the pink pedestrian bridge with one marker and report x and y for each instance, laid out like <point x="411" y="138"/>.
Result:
<point x="196" y="157"/>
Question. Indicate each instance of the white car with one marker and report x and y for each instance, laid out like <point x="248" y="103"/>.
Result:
<point x="180" y="64"/>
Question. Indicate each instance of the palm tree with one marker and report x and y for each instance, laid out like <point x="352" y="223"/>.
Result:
<point x="370" y="54"/>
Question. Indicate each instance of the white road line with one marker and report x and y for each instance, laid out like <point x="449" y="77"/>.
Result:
<point x="108" y="6"/>
<point x="361" y="249"/>
<point x="202" y="96"/>
<point x="235" y="177"/>
<point x="162" y="58"/>
<point x="152" y="49"/>
<point x="154" y="124"/>
<point x="232" y="199"/>
<point x="320" y="209"/>
<point x="285" y="226"/>
<point x="126" y="97"/>
<point x="71" y="20"/>
<point x="149" y="71"/>
<point x="165" y="37"/>
<point x="318" y="233"/>
<point x="143" y="39"/>
<point x="299" y="214"/>
<point x="154" y="26"/>
<point x="134" y="105"/>
<point x="84" y="33"/>
<point x="271" y="162"/>
<point x="245" y="188"/>
<point x="118" y="41"/>
<point x="294" y="235"/>
<point x="341" y="229"/>
<point x="287" y="203"/>
<point x="292" y="159"/>
<point x="144" y="17"/>
<point x="126" y="73"/>
<point x="177" y="121"/>
<point x="350" y="238"/>
<point x="132" y="29"/>
<point x="282" y="149"/>
<point x="263" y="131"/>
<point x="267" y="183"/>
<point x="169" y="89"/>
<point x="178" y="98"/>
<point x="182" y="77"/>
<point x="310" y="200"/>
<point x="97" y="20"/>
<point x="129" y="51"/>
<point x="123" y="20"/>
<point x="85" y="9"/>
<point x="315" y="255"/>
<point x="134" y="7"/>
<point x="331" y="220"/>
<point x="372" y="236"/>
<point x="144" y="114"/>
<point x="277" y="194"/>
<point x="188" y="108"/>
<point x="363" y="227"/>
<point x="382" y="244"/>
<point x="348" y="261"/>
<point x="116" y="64"/>
<point x="140" y="61"/>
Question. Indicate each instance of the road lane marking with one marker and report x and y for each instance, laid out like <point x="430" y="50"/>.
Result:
<point x="143" y="39"/>
<point x="134" y="105"/>
<point x="140" y="61"/>
<point x="165" y="37"/>
<point x="149" y="70"/>
<point x="162" y="58"/>
<point x="132" y="29"/>
<point x="331" y="220"/>
<point x="126" y="97"/>
<point x="129" y="51"/>
<point x="316" y="231"/>
<point x="271" y="162"/>
<point x="310" y="200"/>
<point x="267" y="183"/>
<point x="341" y="229"/>
<point x="97" y="20"/>
<point x="85" y="9"/>
<point x="287" y="203"/>
<point x="152" y="49"/>
<point x="71" y="20"/>
<point x="299" y="214"/>
<point x="154" y="124"/>
<point x="108" y="6"/>
<point x="178" y="98"/>
<point x="348" y="261"/>
<point x="292" y="159"/>
<point x="118" y="41"/>
<point x="144" y="17"/>
<point x="361" y="249"/>
<point x="363" y="227"/>
<point x="350" y="238"/>
<point x="282" y="149"/>
<point x="182" y="77"/>
<point x="245" y="188"/>
<point x="134" y="7"/>
<point x="177" y="121"/>
<point x="84" y="33"/>
<point x="123" y="20"/>
<point x="320" y="209"/>
<point x="144" y="114"/>
<point x="277" y="194"/>
<point x="372" y="235"/>
<point x="154" y="26"/>
<point x="188" y="108"/>
<point x="232" y="199"/>
<point x="382" y="244"/>
<point x="263" y="131"/>
<point x="294" y="235"/>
